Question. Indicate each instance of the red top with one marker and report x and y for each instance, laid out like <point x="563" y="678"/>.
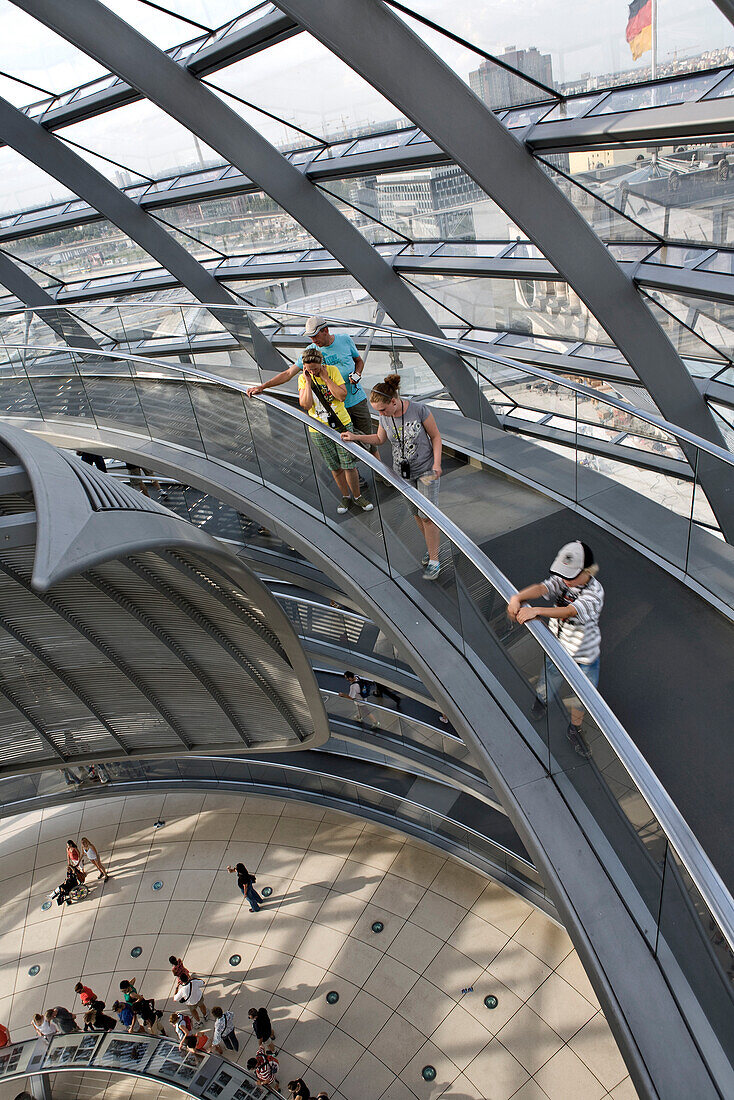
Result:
<point x="86" y="995"/>
<point x="180" y="972"/>
<point x="4" y="1036"/>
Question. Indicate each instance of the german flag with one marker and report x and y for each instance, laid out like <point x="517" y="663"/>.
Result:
<point x="639" y="27"/>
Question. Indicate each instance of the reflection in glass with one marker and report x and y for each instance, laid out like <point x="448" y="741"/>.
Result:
<point x="436" y="203"/>
<point x="681" y="193"/>
<point x="81" y="251"/>
<point x="144" y="139"/>
<point x="581" y="53"/>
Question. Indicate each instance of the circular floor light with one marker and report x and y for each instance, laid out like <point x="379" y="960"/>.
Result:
<point x="332" y="997"/>
<point x="428" y="1073"/>
<point x="33" y="970"/>
<point x="158" y="885"/>
<point x="136" y="952"/>
<point x="235" y="960"/>
<point x="267" y="891"/>
<point x="377" y="926"/>
<point x="490" y="1001"/>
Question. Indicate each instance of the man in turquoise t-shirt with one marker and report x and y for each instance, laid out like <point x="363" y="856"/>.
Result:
<point x="339" y="351"/>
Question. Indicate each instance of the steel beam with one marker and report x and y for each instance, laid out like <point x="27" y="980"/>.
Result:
<point x="256" y="675"/>
<point x="423" y="87"/>
<point x="63" y="164"/>
<point x="92" y="27"/>
<point x="178" y="651"/>
<point x="698" y="121"/>
<point x="106" y="650"/>
<point x="31" y="294"/>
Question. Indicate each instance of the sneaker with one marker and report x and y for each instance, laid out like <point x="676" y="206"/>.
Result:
<point x="425" y="560"/>
<point x="363" y="503"/>
<point x="539" y="708"/>
<point x="574" y="735"/>
<point x="344" y="506"/>
<point x="430" y="573"/>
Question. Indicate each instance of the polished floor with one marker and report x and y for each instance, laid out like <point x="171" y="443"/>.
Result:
<point x="401" y="1004"/>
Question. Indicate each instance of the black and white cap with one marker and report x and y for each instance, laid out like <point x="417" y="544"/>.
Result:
<point x="571" y="560"/>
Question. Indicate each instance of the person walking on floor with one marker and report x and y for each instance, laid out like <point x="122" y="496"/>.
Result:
<point x="183" y="1026"/>
<point x="355" y="694"/>
<point x="90" y="852"/>
<point x="299" y="1090"/>
<point x="75" y="860"/>
<point x="98" y="1020"/>
<point x="223" y="1031"/>
<point x="127" y="1016"/>
<point x="191" y="994"/>
<point x="338" y="351"/>
<point x="198" y="1044"/>
<point x="144" y="1007"/>
<point x="45" y="1026"/>
<point x="411" y="429"/>
<point x="86" y="995"/>
<point x="265" y="1067"/>
<point x="578" y="599"/>
<point x="64" y="1020"/>
<point x="179" y="971"/>
<point x="246" y="883"/>
<point x="380" y="689"/>
<point x="261" y="1025"/>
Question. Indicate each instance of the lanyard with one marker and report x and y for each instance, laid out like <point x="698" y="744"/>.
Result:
<point x="400" y="438"/>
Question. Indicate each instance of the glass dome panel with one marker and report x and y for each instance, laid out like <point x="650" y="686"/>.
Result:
<point x="582" y="46"/>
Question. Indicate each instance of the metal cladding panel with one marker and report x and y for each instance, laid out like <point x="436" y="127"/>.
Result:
<point x="217" y="605"/>
<point x="148" y="652"/>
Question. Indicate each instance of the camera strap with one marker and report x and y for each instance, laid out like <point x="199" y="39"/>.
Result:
<point x="325" y="400"/>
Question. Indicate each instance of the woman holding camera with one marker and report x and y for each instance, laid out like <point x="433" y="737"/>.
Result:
<point x="411" y="429"/>
<point x="321" y="393"/>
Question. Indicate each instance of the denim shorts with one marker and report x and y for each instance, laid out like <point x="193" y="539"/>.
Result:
<point x="551" y="678"/>
<point x="429" y="491"/>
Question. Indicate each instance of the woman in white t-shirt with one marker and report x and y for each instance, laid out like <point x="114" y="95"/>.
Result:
<point x="45" y="1026"/>
<point x="91" y="853"/>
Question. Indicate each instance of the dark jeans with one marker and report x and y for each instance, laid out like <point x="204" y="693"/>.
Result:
<point x="231" y="1041"/>
<point x="253" y="897"/>
<point x="381" y="690"/>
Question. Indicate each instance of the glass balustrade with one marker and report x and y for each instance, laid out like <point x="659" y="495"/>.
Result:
<point x="143" y="1056"/>
<point x="468" y="828"/>
<point x="624" y="812"/>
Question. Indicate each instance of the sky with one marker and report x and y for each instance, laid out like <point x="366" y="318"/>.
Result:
<point x="581" y="35"/>
<point x="301" y="82"/>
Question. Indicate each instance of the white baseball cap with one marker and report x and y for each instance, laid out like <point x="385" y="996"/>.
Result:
<point x="571" y="560"/>
<point x="314" y="325"/>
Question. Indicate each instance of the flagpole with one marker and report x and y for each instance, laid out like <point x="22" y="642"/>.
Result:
<point x="654" y="44"/>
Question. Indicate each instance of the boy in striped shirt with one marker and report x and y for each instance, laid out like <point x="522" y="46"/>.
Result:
<point x="578" y="599"/>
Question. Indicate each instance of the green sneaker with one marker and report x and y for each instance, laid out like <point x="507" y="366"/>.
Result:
<point x="342" y="508"/>
<point x="362" y="502"/>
